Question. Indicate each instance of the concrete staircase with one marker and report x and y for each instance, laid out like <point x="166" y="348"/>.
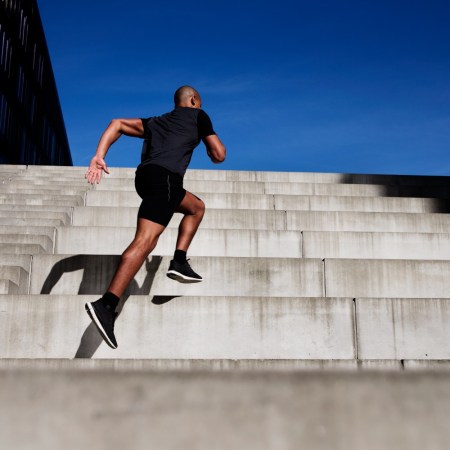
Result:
<point x="347" y="275"/>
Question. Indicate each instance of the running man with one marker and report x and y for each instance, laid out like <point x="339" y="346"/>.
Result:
<point x="170" y="140"/>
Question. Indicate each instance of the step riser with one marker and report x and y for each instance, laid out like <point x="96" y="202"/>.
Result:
<point x="387" y="278"/>
<point x="281" y="244"/>
<point x="284" y="202"/>
<point x="194" y="328"/>
<point x="399" y="328"/>
<point x="217" y="365"/>
<point x="277" y="220"/>
<point x="244" y="243"/>
<point x="285" y="188"/>
<point x="184" y="328"/>
<point x="90" y="274"/>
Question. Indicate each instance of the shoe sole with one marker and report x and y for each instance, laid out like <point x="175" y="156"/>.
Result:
<point x="177" y="276"/>
<point x="91" y="313"/>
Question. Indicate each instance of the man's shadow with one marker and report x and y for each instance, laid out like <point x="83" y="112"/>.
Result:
<point x="97" y="272"/>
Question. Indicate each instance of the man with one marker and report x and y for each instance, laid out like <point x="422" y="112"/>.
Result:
<point x="170" y="140"/>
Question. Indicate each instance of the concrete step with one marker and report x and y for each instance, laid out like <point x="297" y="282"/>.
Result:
<point x="39" y="190"/>
<point x="344" y="244"/>
<point x="366" y="204"/>
<point x="22" y="249"/>
<point x="225" y="365"/>
<point x="247" y="410"/>
<point x="387" y="278"/>
<point x="23" y="261"/>
<point x="255" y="243"/>
<point x="194" y="328"/>
<point x="403" y="328"/>
<point x="57" y="326"/>
<point x="49" y="183"/>
<point x="291" y="188"/>
<point x="8" y="287"/>
<point x="285" y="202"/>
<point x="207" y="242"/>
<point x="16" y="275"/>
<point x="367" y="221"/>
<point x="14" y="221"/>
<point x="272" y="176"/>
<point x="254" y="219"/>
<point x="91" y="274"/>
<point x="219" y="365"/>
<point x="25" y="230"/>
<point x="36" y="208"/>
<point x="43" y="215"/>
<point x="37" y="199"/>
<point x="25" y="239"/>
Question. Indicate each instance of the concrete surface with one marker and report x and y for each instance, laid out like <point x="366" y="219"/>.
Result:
<point x="367" y="221"/>
<point x="168" y="327"/>
<point x="278" y="220"/>
<point x="287" y="188"/>
<point x="391" y="328"/>
<point x="387" y="278"/>
<point x="213" y="365"/>
<point x="344" y="244"/>
<point x="252" y="219"/>
<point x="207" y="242"/>
<point x="282" y="202"/>
<point x="319" y="410"/>
<point x="91" y="274"/>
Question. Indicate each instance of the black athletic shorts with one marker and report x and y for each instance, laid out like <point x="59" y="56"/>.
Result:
<point x="161" y="192"/>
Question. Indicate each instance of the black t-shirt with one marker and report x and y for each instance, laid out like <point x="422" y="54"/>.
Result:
<point x="171" y="138"/>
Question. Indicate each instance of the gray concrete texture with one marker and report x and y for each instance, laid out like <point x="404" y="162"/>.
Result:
<point x="37" y="199"/>
<point x="283" y="256"/>
<point x="387" y="278"/>
<point x="328" y="410"/>
<point x="236" y="175"/>
<point x="251" y="219"/>
<point x="256" y="219"/>
<point x="284" y="202"/>
<point x="207" y="242"/>
<point x="91" y="274"/>
<point x="209" y="328"/>
<point x="343" y="244"/>
<point x="185" y="327"/>
<point x="288" y="188"/>
<point x="220" y="365"/>
<point x="390" y="328"/>
<point x="257" y="243"/>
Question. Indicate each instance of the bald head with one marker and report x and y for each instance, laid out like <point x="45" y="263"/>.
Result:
<point x="187" y="96"/>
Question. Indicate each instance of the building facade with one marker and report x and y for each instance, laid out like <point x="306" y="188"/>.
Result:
<point x="32" y="129"/>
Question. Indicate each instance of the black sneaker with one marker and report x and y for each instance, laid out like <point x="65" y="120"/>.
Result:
<point x="103" y="318"/>
<point x="183" y="273"/>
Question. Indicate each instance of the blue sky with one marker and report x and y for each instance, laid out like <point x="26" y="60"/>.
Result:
<point x="315" y="86"/>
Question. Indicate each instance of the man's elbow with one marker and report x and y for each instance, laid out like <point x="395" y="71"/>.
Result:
<point x="219" y="155"/>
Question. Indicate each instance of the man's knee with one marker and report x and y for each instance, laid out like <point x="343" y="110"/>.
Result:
<point x="201" y="207"/>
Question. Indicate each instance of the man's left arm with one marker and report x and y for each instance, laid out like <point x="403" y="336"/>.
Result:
<point x="214" y="148"/>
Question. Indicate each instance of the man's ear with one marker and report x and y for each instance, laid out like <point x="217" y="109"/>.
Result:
<point x="193" y="100"/>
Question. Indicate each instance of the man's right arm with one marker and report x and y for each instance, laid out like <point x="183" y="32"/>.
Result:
<point x="214" y="148"/>
<point x="117" y="127"/>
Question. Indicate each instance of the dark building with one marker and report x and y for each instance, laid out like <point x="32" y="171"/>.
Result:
<point x="32" y="129"/>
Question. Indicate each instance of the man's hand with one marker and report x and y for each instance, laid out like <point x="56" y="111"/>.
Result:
<point x="96" y="168"/>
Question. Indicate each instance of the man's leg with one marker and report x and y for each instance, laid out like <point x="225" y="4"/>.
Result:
<point x="193" y="209"/>
<point x="147" y="234"/>
<point x="102" y="312"/>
